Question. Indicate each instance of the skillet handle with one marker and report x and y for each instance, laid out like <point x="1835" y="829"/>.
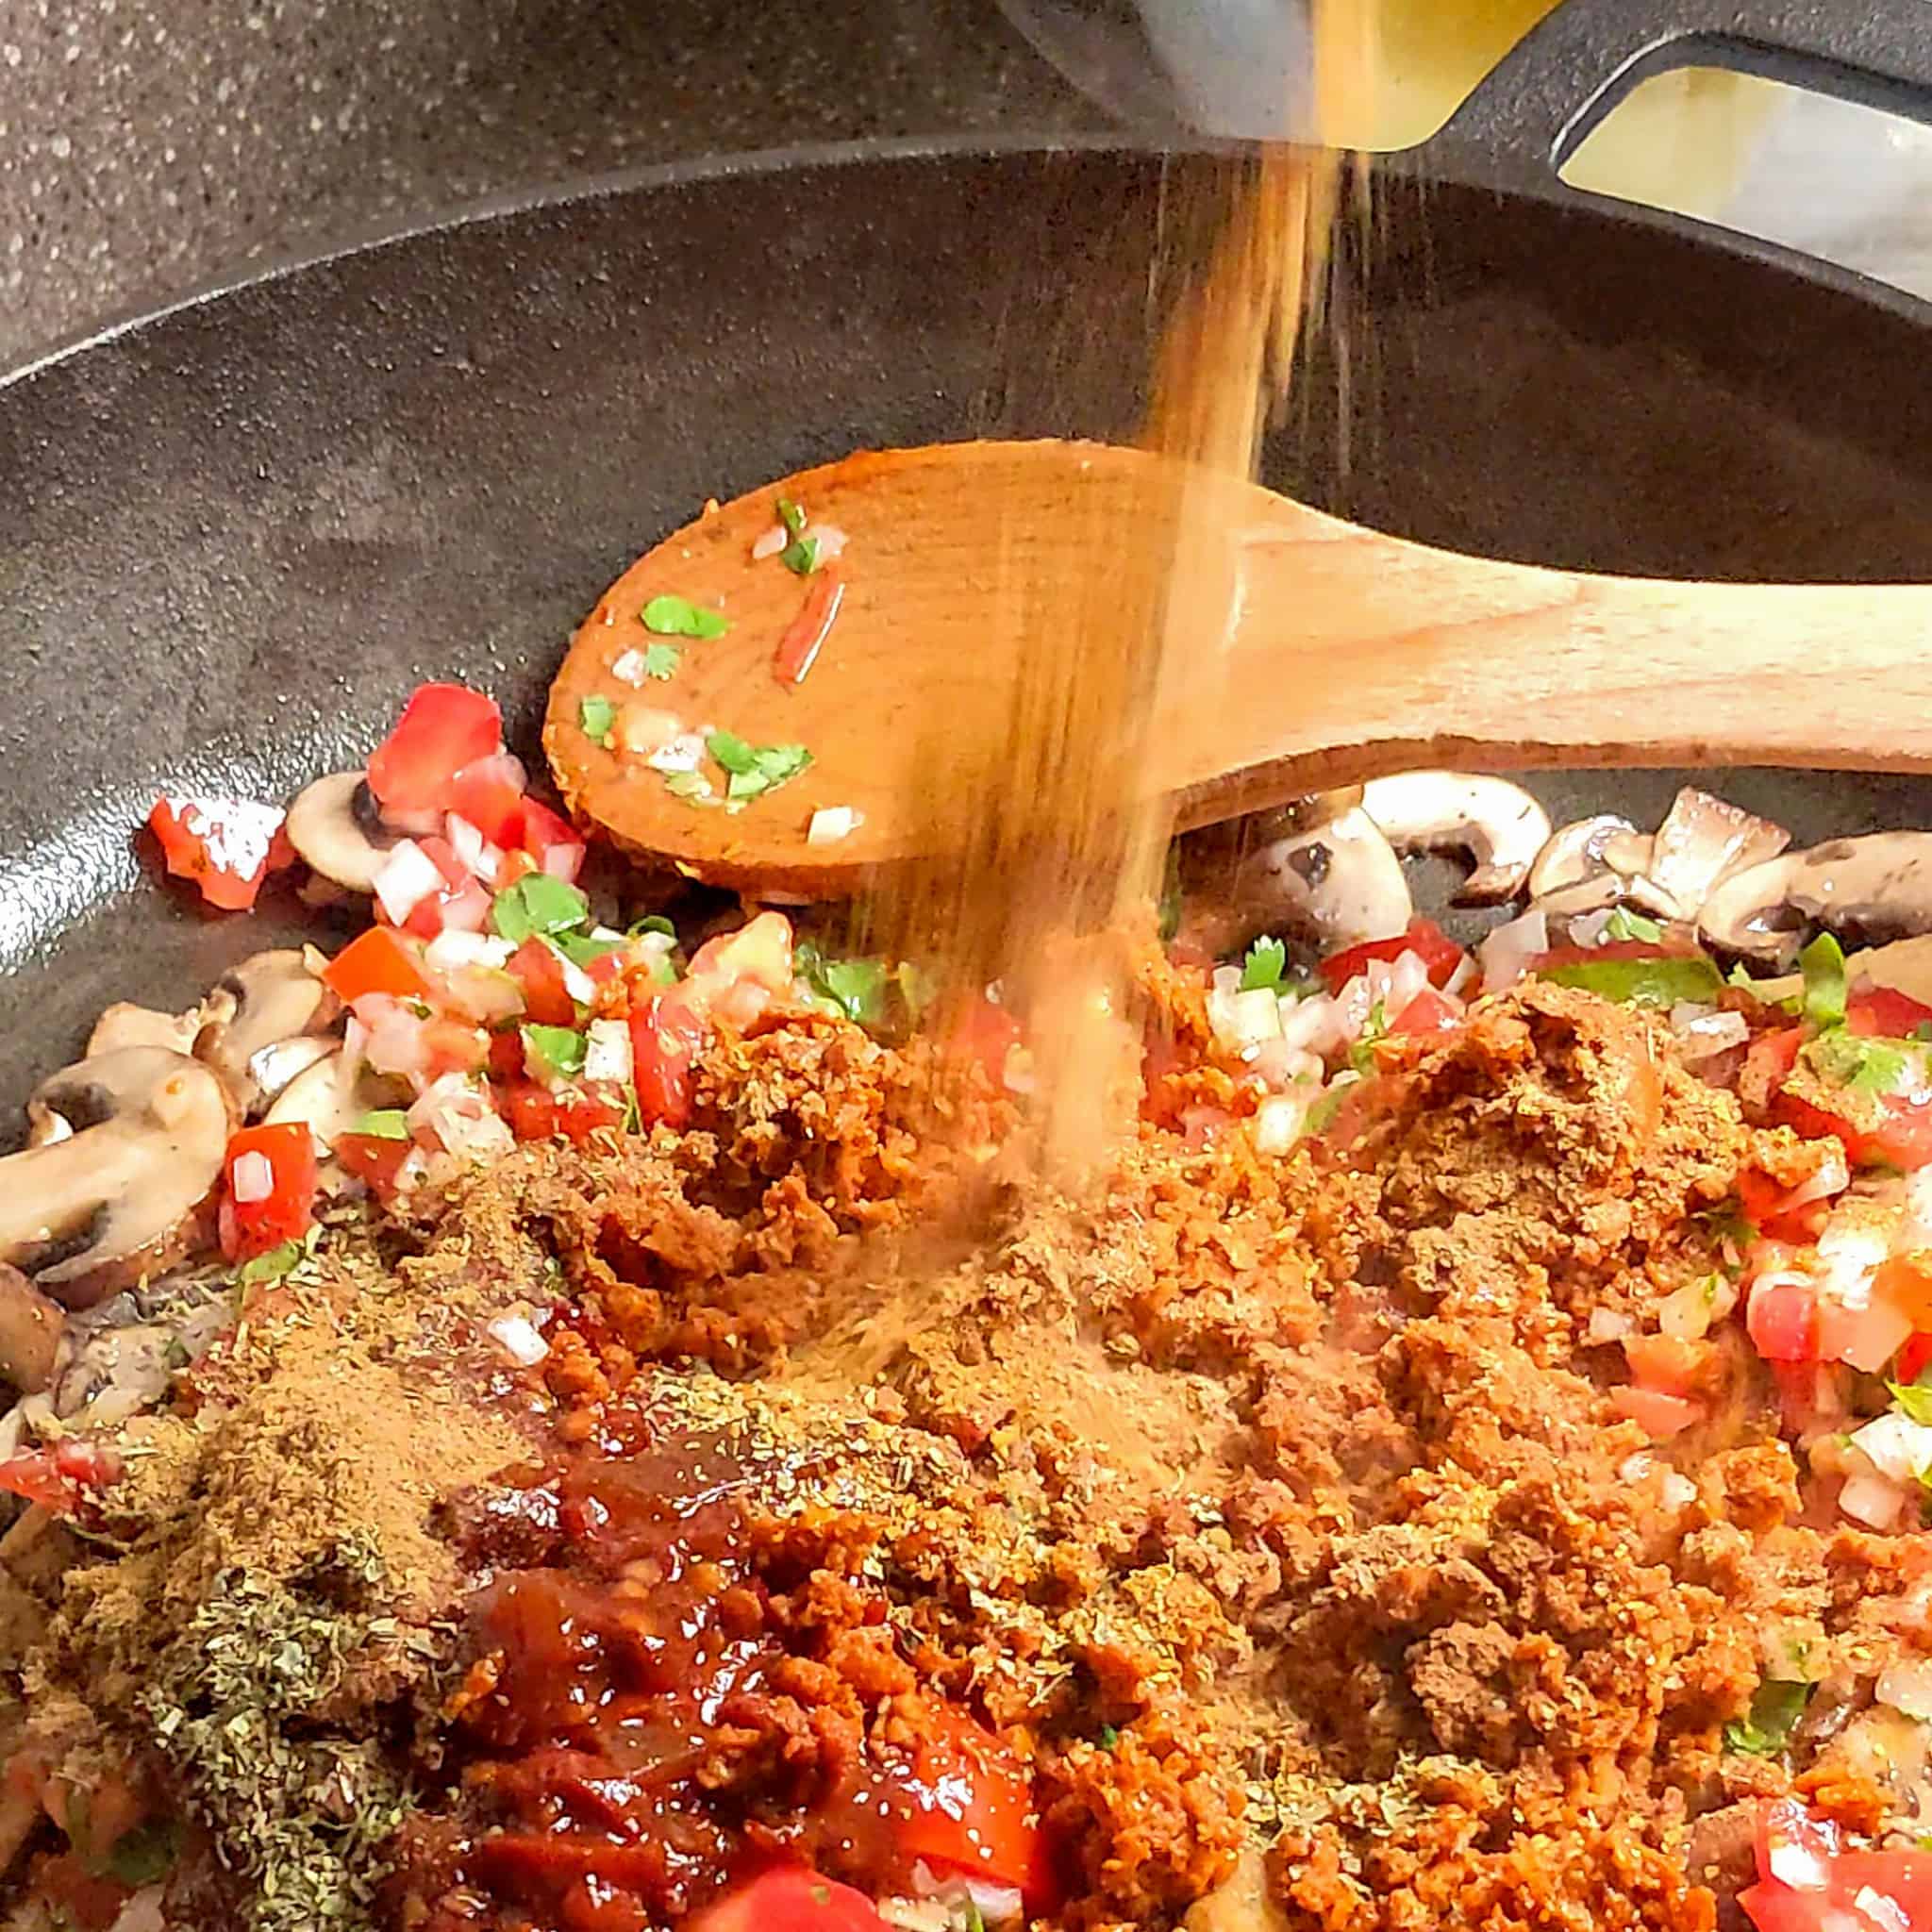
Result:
<point x="1533" y="112"/>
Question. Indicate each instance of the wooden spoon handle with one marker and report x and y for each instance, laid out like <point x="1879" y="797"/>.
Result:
<point x="1356" y="652"/>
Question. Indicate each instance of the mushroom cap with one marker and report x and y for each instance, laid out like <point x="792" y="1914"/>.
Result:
<point x="268" y="999"/>
<point x="1575" y="852"/>
<point x="335" y="827"/>
<point x="1499" y="825"/>
<point x="121" y="1194"/>
<point x="329" y="1098"/>
<point x="1701" y="841"/>
<point x="1340" y="882"/>
<point x="1869" y="890"/>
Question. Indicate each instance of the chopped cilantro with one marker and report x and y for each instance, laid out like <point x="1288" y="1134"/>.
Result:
<point x="1857" y="1064"/>
<point x="1922" y="1031"/>
<point x="537" y="904"/>
<point x="692" y="786"/>
<point x="1266" y="962"/>
<point x="556" y="1050"/>
<point x="1168" y="914"/>
<point x="855" y="988"/>
<point x="973" y="1921"/>
<point x="1823" y="963"/>
<point x="792" y="515"/>
<point x="1741" y="979"/>
<point x="1776" y="1708"/>
<point x="661" y="660"/>
<point x="278" y="1262"/>
<point x="800" y="556"/>
<point x="1320" y="1117"/>
<point x="384" y="1123"/>
<point x="146" y="1855"/>
<point x="1109" y="1737"/>
<point x="598" y="716"/>
<point x="1660" y="980"/>
<point x="1624" y="924"/>
<point x="579" y="948"/>
<point x="755" y="769"/>
<point x="653" y="922"/>
<point x="1361" y="1056"/>
<point x="678" y="617"/>
<point x="633" y="1111"/>
<point x="1915" y="1399"/>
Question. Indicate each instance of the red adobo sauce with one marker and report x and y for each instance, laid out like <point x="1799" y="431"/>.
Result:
<point x="648" y="1720"/>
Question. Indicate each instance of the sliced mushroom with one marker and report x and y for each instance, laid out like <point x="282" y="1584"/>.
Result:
<point x="1340" y="882"/>
<point x="124" y="1024"/>
<point x="329" y="1099"/>
<point x="1701" y="841"/>
<point x="119" y="1196"/>
<point x="1866" y="891"/>
<point x="30" y="1332"/>
<point x="1499" y="825"/>
<point x="1575" y="852"/>
<point x="337" y="827"/>
<point x="274" y="999"/>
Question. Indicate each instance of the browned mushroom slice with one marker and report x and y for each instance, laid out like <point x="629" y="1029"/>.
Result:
<point x="30" y="1332"/>
<point x="124" y="1024"/>
<point x="1701" y="841"/>
<point x="120" y="1194"/>
<point x="274" y="999"/>
<point x="1869" y="890"/>
<point x="1499" y="825"/>
<point x="335" y="826"/>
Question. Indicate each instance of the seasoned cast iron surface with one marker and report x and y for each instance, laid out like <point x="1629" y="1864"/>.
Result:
<point x="232" y="538"/>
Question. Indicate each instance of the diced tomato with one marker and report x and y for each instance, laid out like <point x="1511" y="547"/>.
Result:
<point x="228" y="846"/>
<point x="791" y="1899"/>
<point x="1767" y="1063"/>
<point x="374" y="1159"/>
<point x="490" y="795"/>
<point x="375" y="961"/>
<point x="535" y="1113"/>
<point x="1430" y="1013"/>
<point x="665" y="1039"/>
<point x="985" y="1033"/>
<point x="444" y="730"/>
<point x="1782" y="1320"/>
<point x="537" y="968"/>
<point x="1884" y="1012"/>
<point x="1808" y="1882"/>
<point x="735" y="975"/>
<point x="968" y="1804"/>
<point x="1762" y="1202"/>
<point x="1423" y="938"/>
<point x="552" y="842"/>
<point x="1912" y="1359"/>
<point x="805" y="635"/>
<point x="1901" y="1139"/>
<point x="87" y="1900"/>
<point x="251" y="1227"/>
<point x="1666" y="1363"/>
<point x="1659" y="1414"/>
<point x="58" y="1478"/>
<point x="450" y="1047"/>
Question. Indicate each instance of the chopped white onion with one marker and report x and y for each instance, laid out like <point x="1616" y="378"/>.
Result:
<point x="1508" y="950"/>
<point x="1798" y="1866"/>
<point x="1702" y="1032"/>
<point x="564" y="862"/>
<point x="1463" y="978"/>
<point x="1830" y="1177"/>
<point x="831" y="823"/>
<point x="770" y="542"/>
<point x="448" y="951"/>
<point x="517" y="1336"/>
<point x="1279" y="1122"/>
<point x="683" y="753"/>
<point x="1894" y="1446"/>
<point x="1907" y="1687"/>
<point x="394" y="1043"/>
<point x="1315" y="1026"/>
<point x="832" y="541"/>
<point x="1875" y="1502"/>
<point x="1686" y="1314"/>
<point x="1877" y="1912"/>
<point x="1282" y="1065"/>
<point x="606" y="1051"/>
<point x="1243" y="1021"/>
<point x="465" y="840"/>
<point x="577" y="982"/>
<point x="1678" y="1490"/>
<point x="405" y="879"/>
<point x="1608" y="1324"/>
<point x="456" y="1115"/>
<point x="1588" y="929"/>
<point x="628" y="668"/>
<point x="252" y="1178"/>
<point x="645" y="730"/>
<point x="1633" y="1469"/>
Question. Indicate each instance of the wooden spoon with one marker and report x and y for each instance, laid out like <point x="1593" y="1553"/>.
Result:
<point x="1330" y="654"/>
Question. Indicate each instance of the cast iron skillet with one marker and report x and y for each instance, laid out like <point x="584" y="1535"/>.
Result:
<point x="233" y="535"/>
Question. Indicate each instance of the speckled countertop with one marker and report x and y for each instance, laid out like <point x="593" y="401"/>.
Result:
<point x="147" y="145"/>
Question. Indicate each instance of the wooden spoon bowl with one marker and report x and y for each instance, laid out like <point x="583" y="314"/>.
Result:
<point x="1311" y="653"/>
